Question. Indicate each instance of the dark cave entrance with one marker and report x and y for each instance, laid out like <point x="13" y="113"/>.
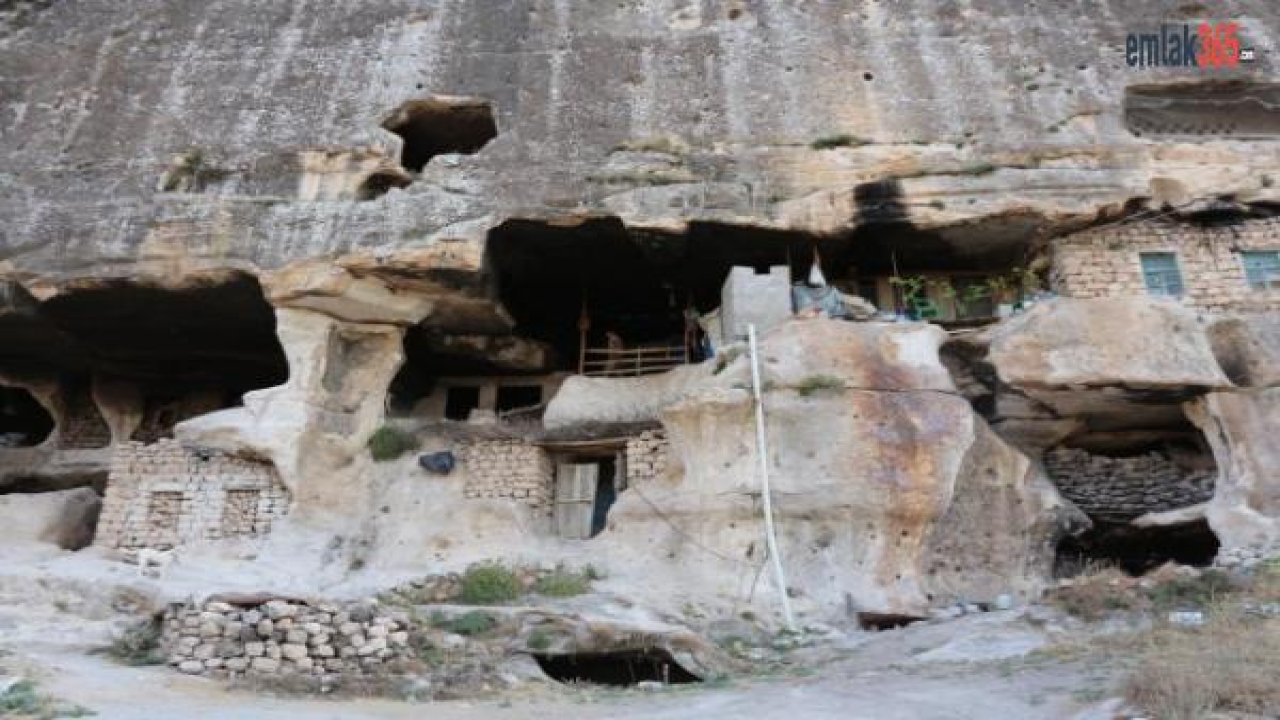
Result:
<point x="439" y="125"/>
<point x="1137" y="550"/>
<point x="576" y="283"/>
<point x="23" y="420"/>
<point x="180" y="352"/>
<point x="380" y="183"/>
<point x="621" y="668"/>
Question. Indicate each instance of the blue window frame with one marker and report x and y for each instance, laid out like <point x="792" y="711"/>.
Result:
<point x="1261" y="268"/>
<point x="1160" y="273"/>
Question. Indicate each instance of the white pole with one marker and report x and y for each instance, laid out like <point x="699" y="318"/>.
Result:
<point x="770" y="537"/>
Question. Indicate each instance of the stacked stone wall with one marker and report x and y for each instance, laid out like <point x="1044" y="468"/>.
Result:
<point x="283" y="637"/>
<point x="1105" y="262"/>
<point x="646" y="457"/>
<point x="163" y="495"/>
<point x="1123" y="488"/>
<point x="508" y="469"/>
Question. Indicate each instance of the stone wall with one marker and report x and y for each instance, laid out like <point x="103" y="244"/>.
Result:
<point x="1104" y="263"/>
<point x="508" y="469"/>
<point x="1123" y="488"/>
<point x="164" y="494"/>
<point x="646" y="457"/>
<point x="283" y="637"/>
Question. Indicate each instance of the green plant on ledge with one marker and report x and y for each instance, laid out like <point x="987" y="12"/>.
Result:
<point x="829" y="142"/>
<point x="489" y="584"/>
<point x="388" y="443"/>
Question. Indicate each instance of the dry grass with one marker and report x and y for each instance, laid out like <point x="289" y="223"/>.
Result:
<point x="1231" y="663"/>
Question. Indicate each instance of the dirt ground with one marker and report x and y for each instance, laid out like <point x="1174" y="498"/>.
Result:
<point x="997" y="665"/>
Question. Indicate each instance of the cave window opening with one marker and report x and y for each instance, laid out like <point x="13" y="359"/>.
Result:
<point x="182" y="351"/>
<point x="620" y="668"/>
<point x="586" y="488"/>
<point x="517" y="397"/>
<point x="23" y="420"/>
<point x="1136" y="550"/>
<point x="460" y="400"/>
<point x="380" y="183"/>
<point x="440" y="125"/>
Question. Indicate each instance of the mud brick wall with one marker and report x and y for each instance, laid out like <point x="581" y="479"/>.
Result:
<point x="1124" y="488"/>
<point x="646" y="457"/>
<point x="163" y="494"/>
<point x="1104" y="263"/>
<point x="283" y="637"/>
<point x="508" y="469"/>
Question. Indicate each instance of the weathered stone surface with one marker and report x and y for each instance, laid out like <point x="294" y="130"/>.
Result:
<point x="1241" y="428"/>
<point x="1134" y="343"/>
<point x="879" y="472"/>
<point x="1248" y="348"/>
<point x="65" y="518"/>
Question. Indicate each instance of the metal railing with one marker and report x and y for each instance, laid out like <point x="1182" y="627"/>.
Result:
<point x="631" y="362"/>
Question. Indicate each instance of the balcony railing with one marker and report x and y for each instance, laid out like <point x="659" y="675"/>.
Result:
<point x="631" y="362"/>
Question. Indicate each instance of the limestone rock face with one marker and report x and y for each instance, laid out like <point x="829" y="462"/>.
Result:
<point x="1242" y="428"/>
<point x="1140" y="343"/>
<point x="165" y="169"/>
<point x="890" y="493"/>
<point x="1248" y="348"/>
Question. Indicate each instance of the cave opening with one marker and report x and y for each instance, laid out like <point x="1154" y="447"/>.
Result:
<point x="621" y="668"/>
<point x="438" y="125"/>
<point x="380" y="183"/>
<point x="1136" y="550"/>
<point x="594" y="283"/>
<point x="179" y="352"/>
<point x="24" y="422"/>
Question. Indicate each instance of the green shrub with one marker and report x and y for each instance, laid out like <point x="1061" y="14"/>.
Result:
<point x="1201" y="591"/>
<point x="563" y="583"/>
<point x="388" y="443"/>
<point x="828" y="142"/>
<point x="814" y="383"/>
<point x="488" y="584"/>
<point x="472" y="623"/>
<point x="539" y="640"/>
<point x="20" y="699"/>
<point x="138" y="644"/>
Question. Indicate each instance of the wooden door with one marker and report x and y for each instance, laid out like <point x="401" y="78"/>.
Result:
<point x="575" y="499"/>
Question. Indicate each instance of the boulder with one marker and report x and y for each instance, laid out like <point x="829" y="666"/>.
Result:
<point x="65" y="518"/>
<point x="1125" y="342"/>
<point x="889" y="491"/>
<point x="1248" y="348"/>
<point x="1241" y="428"/>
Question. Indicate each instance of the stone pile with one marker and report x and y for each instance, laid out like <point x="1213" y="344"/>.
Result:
<point x="507" y="469"/>
<point x="281" y="636"/>
<point x="1124" y="488"/>
<point x="646" y="457"/>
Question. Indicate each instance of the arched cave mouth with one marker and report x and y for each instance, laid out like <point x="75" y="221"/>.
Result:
<point x="1136" y="550"/>
<point x="621" y="668"/>
<point x="23" y="420"/>
<point x="179" y="352"/>
<point x="566" y="282"/>
<point x="438" y="125"/>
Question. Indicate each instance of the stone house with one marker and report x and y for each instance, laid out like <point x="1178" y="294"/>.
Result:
<point x="1211" y="266"/>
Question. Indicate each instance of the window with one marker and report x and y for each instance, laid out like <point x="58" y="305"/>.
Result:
<point x="1160" y="273"/>
<point x="460" y="401"/>
<point x="515" y="397"/>
<point x="1261" y="269"/>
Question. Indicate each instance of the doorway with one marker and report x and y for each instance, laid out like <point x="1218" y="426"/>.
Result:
<point x="585" y="490"/>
